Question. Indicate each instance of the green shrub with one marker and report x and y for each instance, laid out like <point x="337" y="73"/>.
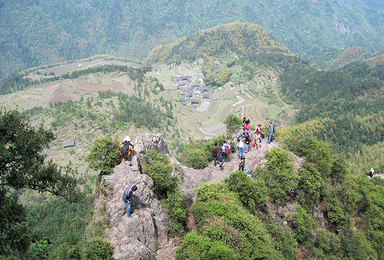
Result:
<point x="176" y="209"/>
<point x="339" y="168"/>
<point x="214" y="191"/>
<point x="319" y="153"/>
<point x="104" y="155"/>
<point x="279" y="161"/>
<point x="311" y="186"/>
<point x="217" y="230"/>
<point x="225" y="204"/>
<point x="356" y="245"/>
<point x="283" y="238"/>
<point x="280" y="180"/>
<point x="352" y="196"/>
<point x="63" y="252"/>
<point x="377" y="238"/>
<point x="302" y="224"/>
<point x="198" y="247"/>
<point x="252" y="193"/>
<point x="326" y="245"/>
<point x="97" y="249"/>
<point x="196" y="159"/>
<point x="158" y="167"/>
<point x="232" y="122"/>
<point x="334" y="210"/>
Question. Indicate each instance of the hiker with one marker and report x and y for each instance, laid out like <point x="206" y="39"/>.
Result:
<point x="242" y="163"/>
<point x="258" y="130"/>
<point x="240" y="147"/>
<point x="126" y="149"/>
<point x="371" y="172"/>
<point x="127" y="198"/>
<point x="220" y="161"/>
<point x="225" y="150"/>
<point x="271" y="131"/>
<point x="247" y="125"/>
<point x="215" y="151"/>
<point x="257" y="141"/>
<point x="247" y="140"/>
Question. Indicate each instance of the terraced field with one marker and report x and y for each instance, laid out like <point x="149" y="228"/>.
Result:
<point x="257" y="99"/>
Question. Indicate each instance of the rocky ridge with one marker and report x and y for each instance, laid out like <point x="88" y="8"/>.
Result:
<point x="145" y="235"/>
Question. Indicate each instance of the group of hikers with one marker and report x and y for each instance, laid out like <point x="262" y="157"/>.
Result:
<point x="220" y="153"/>
<point x="244" y="144"/>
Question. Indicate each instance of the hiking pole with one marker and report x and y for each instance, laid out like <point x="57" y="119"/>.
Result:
<point x="138" y="238"/>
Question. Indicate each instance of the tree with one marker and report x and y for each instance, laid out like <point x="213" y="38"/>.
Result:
<point x="232" y="122"/>
<point x="104" y="155"/>
<point x="22" y="166"/>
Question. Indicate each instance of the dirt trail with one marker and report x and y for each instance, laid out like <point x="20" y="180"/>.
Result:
<point x="252" y="160"/>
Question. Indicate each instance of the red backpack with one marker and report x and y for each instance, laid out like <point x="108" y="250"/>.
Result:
<point x="227" y="149"/>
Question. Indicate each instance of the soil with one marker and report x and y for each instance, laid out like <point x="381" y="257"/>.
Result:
<point x="253" y="159"/>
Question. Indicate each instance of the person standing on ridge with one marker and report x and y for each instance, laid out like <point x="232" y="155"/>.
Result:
<point x="240" y="147"/>
<point x="258" y="130"/>
<point x="215" y="151"/>
<point x="127" y="198"/>
<point x="225" y="150"/>
<point x="247" y="125"/>
<point x="247" y="139"/>
<point x="242" y="163"/>
<point x="220" y="161"/>
<point x="126" y="148"/>
<point x="271" y="131"/>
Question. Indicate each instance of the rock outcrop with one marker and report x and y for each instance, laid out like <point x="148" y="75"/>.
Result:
<point x="146" y="231"/>
<point x="149" y="220"/>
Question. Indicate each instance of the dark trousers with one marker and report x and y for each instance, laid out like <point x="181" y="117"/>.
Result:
<point x="225" y="157"/>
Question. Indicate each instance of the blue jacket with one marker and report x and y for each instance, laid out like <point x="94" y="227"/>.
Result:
<point x="127" y="194"/>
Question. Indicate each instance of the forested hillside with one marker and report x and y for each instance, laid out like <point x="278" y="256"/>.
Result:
<point x="228" y="42"/>
<point x="44" y="32"/>
<point x="308" y="196"/>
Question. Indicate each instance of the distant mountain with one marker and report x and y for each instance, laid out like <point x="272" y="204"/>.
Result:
<point x="231" y="40"/>
<point x="376" y="59"/>
<point x="347" y="56"/>
<point x="36" y="32"/>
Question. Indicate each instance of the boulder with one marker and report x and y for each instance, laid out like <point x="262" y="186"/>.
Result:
<point x="149" y="221"/>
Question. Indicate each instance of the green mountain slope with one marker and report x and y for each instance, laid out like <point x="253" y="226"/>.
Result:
<point x="41" y="32"/>
<point x="289" y="207"/>
<point x="227" y="41"/>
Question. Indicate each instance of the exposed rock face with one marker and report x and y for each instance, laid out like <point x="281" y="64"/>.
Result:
<point x="149" y="220"/>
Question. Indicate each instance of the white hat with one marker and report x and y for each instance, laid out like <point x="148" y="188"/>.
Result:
<point x="127" y="138"/>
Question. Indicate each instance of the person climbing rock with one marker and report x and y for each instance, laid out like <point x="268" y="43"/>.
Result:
<point x="126" y="149"/>
<point x="127" y="199"/>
